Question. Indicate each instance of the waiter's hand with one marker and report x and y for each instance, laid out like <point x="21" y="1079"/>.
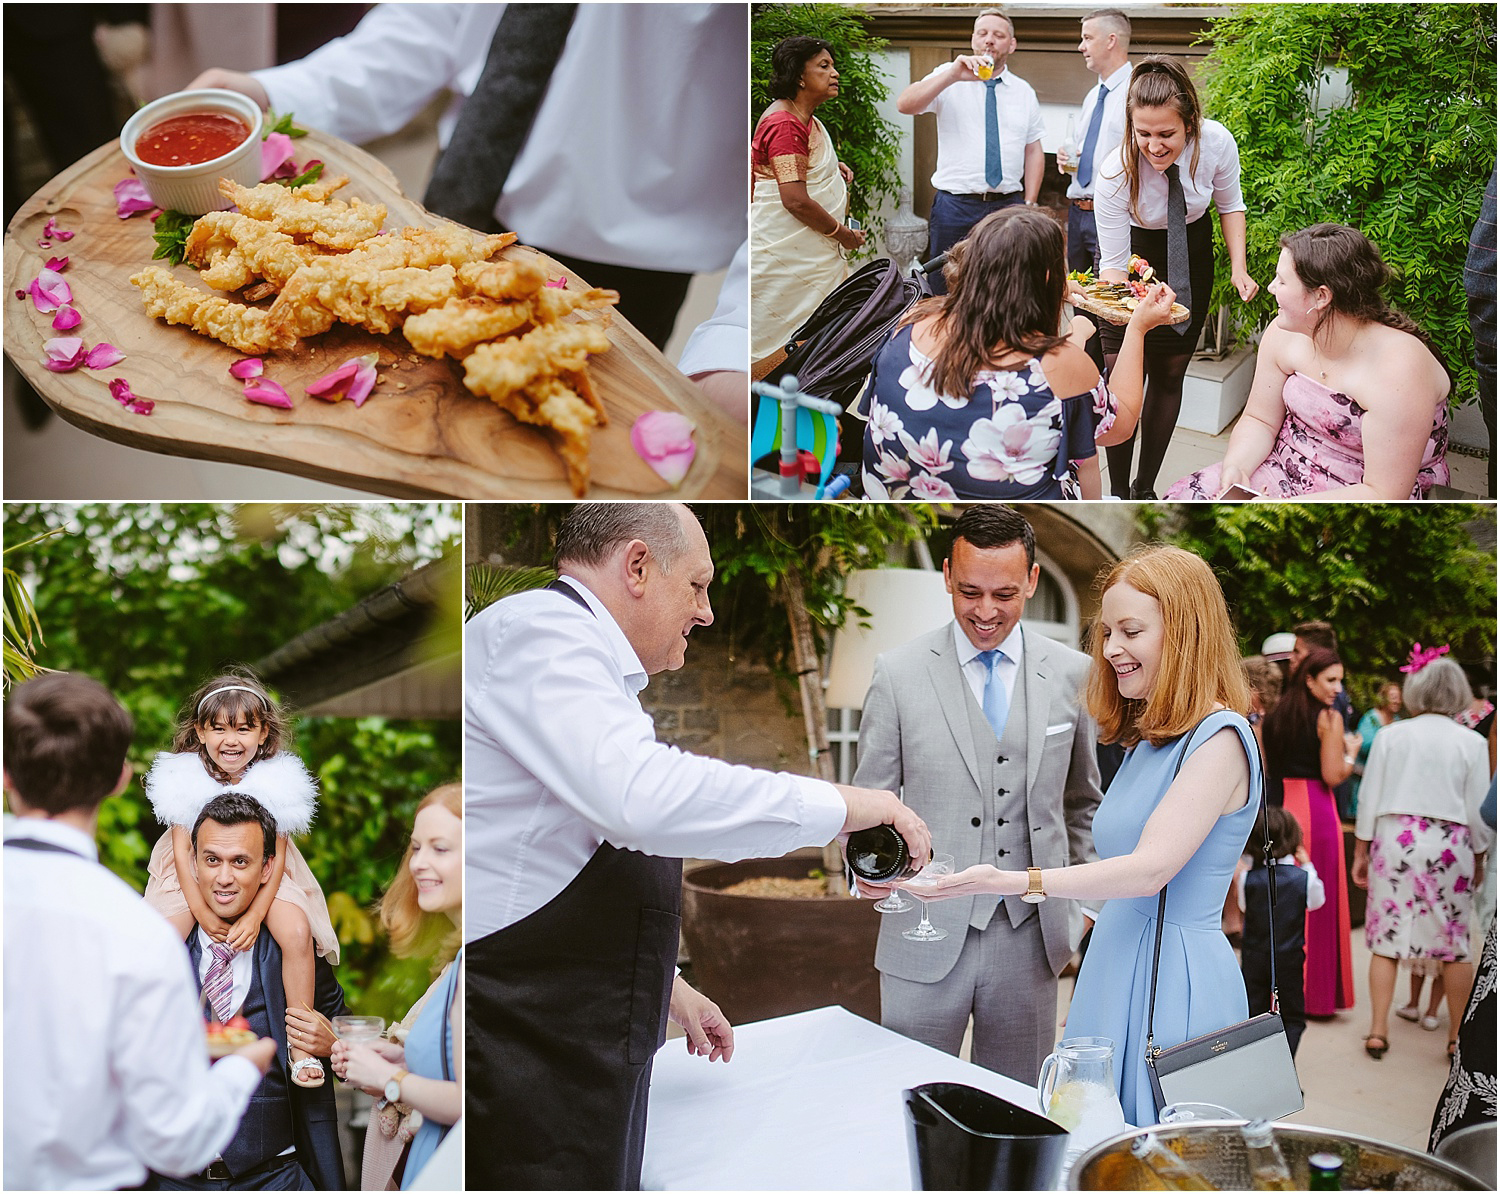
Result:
<point x="259" y="1053"/>
<point x="709" y="1033"/>
<point x="232" y="80"/>
<point x="1246" y="286"/>
<point x="868" y="807"/>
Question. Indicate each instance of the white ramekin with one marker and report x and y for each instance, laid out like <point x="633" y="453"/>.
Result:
<point x="194" y="190"/>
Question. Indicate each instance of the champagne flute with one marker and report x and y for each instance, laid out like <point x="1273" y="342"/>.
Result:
<point x="941" y="864"/>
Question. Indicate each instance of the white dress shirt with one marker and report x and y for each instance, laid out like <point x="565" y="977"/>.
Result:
<point x="977" y="672"/>
<point x="560" y="757"/>
<point x="106" y="1071"/>
<point x="1216" y="181"/>
<point x="639" y="98"/>
<point x="961" y="138"/>
<point x="1111" y="129"/>
<point x="722" y="341"/>
<point x="1427" y="766"/>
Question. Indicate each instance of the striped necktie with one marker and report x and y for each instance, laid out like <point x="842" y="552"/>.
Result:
<point x="996" y="701"/>
<point x="218" y="984"/>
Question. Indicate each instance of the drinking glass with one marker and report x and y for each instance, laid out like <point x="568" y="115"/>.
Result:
<point x="985" y="67"/>
<point x="361" y="1030"/>
<point x="894" y="903"/>
<point x="941" y="864"/>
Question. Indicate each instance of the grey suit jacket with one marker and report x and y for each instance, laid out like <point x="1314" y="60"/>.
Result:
<point x="915" y="738"/>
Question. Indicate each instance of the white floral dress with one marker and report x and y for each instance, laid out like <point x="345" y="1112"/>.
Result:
<point x="1011" y="438"/>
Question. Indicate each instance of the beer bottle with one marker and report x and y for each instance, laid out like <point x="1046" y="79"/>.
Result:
<point x="1268" y="1168"/>
<point x="1325" y="1171"/>
<point x="1171" y="1170"/>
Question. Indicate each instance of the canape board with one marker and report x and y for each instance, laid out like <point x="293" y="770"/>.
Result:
<point x="1113" y="310"/>
<point x="421" y="433"/>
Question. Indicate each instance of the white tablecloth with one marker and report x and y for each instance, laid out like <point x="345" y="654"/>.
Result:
<point x="809" y="1102"/>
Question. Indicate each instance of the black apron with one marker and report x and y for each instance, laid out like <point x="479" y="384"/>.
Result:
<point x="565" y="1010"/>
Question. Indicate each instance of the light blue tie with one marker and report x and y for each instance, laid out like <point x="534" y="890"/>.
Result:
<point x="1091" y="138"/>
<point x="996" y="702"/>
<point x="994" y="169"/>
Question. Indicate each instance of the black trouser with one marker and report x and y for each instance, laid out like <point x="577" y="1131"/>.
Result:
<point x="649" y="298"/>
<point x="282" y="1175"/>
<point x="1290" y="964"/>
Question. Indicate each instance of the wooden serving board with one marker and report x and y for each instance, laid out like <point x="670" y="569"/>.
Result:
<point x="420" y="434"/>
<point x="1113" y="310"/>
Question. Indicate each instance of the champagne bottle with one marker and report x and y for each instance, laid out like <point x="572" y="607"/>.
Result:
<point x="1325" y="1171"/>
<point x="1268" y="1168"/>
<point x="1171" y="1170"/>
<point x="879" y="855"/>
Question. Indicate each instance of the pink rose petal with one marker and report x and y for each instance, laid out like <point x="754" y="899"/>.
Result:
<point x="248" y="368"/>
<point x="664" y="440"/>
<point x="275" y="152"/>
<point x="363" y="383"/>
<point x="52" y="230"/>
<point x="49" y="291"/>
<point x="559" y="283"/>
<point x="44" y="244"/>
<point x="21" y="294"/>
<point x="66" y="319"/>
<point x="120" y="390"/>
<point x="57" y="263"/>
<point x="353" y="380"/>
<point x="131" y="197"/>
<point x="102" y="356"/>
<point x="64" y="353"/>
<point x="267" y="392"/>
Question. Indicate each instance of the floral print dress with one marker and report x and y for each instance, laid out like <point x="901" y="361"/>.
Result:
<point x="1011" y="438"/>
<point x="1320" y="446"/>
<point x="1421" y="891"/>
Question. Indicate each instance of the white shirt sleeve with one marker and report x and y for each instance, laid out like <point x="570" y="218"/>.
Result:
<point x="1315" y="893"/>
<point x="1111" y="212"/>
<point x="372" y="81"/>
<point x="1226" y="183"/>
<point x="1239" y="886"/>
<point x="1035" y="125"/>
<point x="722" y="341"/>
<point x="180" y="1112"/>
<point x="595" y="749"/>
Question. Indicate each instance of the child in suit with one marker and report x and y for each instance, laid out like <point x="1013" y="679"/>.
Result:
<point x="1298" y="892"/>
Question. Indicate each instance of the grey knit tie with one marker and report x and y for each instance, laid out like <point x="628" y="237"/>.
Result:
<point x="1177" y="245"/>
<point x="496" y="119"/>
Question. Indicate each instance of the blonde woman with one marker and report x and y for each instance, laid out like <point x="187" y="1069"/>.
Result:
<point x="1167" y="683"/>
<point x="423" y="1069"/>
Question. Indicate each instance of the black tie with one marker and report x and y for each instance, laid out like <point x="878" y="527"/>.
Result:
<point x="469" y="177"/>
<point x="1177" y="246"/>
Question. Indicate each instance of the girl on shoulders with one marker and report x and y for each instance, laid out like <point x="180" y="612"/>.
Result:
<point x="232" y="736"/>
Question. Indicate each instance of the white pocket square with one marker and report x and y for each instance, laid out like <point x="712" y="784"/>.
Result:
<point x="1058" y="729"/>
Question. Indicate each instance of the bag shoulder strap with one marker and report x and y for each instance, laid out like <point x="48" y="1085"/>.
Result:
<point x="1161" y="907"/>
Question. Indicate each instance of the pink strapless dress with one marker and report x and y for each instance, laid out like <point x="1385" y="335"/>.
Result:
<point x="1320" y="446"/>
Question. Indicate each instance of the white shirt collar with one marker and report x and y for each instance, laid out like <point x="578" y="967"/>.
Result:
<point x="1121" y="75"/>
<point x="44" y="829"/>
<point x="968" y="652"/>
<point x="631" y="668"/>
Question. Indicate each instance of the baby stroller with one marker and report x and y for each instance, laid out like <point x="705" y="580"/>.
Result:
<point x="831" y="354"/>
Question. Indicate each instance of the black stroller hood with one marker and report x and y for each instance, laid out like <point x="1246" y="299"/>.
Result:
<point x="831" y="353"/>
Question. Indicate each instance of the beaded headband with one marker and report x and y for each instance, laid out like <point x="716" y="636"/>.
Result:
<point x="229" y="688"/>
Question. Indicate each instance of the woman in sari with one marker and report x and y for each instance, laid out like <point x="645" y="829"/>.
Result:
<point x="800" y="196"/>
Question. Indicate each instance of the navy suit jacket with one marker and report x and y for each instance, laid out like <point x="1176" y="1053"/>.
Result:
<point x="314" y="1116"/>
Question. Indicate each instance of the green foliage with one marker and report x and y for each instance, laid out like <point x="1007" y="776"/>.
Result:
<point x="23" y="630"/>
<point x="150" y="599"/>
<point x="487" y="584"/>
<point x="1404" y="158"/>
<point x="754" y="545"/>
<point x="1385" y="575"/>
<point x="866" y="141"/>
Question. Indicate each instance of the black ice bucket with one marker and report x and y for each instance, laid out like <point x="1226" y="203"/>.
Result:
<point x="959" y="1138"/>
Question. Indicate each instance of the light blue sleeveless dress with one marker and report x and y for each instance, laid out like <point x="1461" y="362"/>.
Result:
<point x="426" y="1043"/>
<point x="1199" y="987"/>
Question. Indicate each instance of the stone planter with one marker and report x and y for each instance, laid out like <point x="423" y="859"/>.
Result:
<point x="759" y="957"/>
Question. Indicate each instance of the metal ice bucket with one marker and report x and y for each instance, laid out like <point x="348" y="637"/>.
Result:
<point x="1217" y="1150"/>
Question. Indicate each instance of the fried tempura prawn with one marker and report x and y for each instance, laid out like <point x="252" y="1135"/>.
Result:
<point x="449" y="244"/>
<point x="348" y="289"/>
<point x="233" y="250"/>
<point x="460" y="323"/>
<point x="552" y="302"/>
<point x="247" y="329"/>
<point x="502" y="280"/>
<point x="333" y="223"/>
<point x="504" y="366"/>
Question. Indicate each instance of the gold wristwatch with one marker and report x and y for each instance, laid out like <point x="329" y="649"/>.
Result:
<point x="1033" y="893"/>
<point x="393" y="1086"/>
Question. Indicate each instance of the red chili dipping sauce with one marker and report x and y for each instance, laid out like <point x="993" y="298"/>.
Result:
<point x="190" y="138"/>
